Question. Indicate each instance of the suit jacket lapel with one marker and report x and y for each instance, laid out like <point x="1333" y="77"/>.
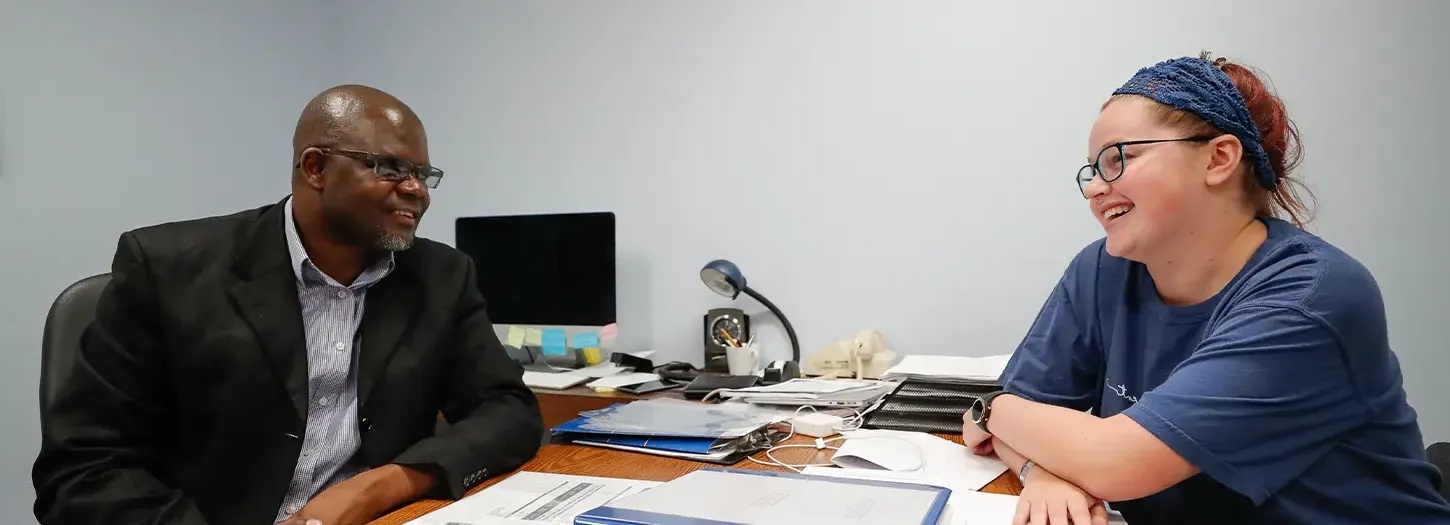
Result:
<point x="266" y="295"/>
<point x="391" y="310"/>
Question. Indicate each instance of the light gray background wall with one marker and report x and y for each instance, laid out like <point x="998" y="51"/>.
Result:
<point x="115" y="115"/>
<point x="903" y="166"/>
<point x="899" y="166"/>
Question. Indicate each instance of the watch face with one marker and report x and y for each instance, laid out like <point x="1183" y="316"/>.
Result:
<point x="727" y="324"/>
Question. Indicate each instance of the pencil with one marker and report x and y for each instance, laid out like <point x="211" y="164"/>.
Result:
<point x="732" y="340"/>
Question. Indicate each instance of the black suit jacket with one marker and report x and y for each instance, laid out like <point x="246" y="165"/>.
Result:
<point x="188" y="399"/>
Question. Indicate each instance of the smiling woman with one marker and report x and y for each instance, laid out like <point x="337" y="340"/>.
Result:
<point x="1273" y="190"/>
<point x="1208" y="361"/>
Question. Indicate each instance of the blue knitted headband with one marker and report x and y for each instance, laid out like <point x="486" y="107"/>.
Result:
<point x="1196" y="85"/>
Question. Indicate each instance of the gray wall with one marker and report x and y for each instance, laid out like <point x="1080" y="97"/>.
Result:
<point x="114" y="115"/>
<point x="903" y="166"/>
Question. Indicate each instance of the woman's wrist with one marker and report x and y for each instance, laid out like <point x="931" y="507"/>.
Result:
<point x="1027" y="467"/>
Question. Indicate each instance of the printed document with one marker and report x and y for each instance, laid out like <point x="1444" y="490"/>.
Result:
<point x="534" y="498"/>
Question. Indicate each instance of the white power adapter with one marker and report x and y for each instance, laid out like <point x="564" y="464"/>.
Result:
<point x="816" y="424"/>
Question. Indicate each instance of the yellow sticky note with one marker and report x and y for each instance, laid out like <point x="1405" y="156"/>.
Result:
<point x="516" y="337"/>
<point x="591" y="356"/>
<point x="534" y="337"/>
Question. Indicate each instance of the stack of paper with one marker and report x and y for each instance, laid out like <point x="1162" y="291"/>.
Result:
<point x="534" y="497"/>
<point x="720" y="434"/>
<point x="949" y="369"/>
<point x="561" y="378"/>
<point x="814" y="392"/>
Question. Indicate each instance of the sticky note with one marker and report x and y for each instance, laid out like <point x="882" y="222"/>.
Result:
<point x="555" y="342"/>
<point x="610" y="331"/>
<point x="516" y="337"/>
<point x="586" y="340"/>
<point x="591" y="356"/>
<point x="534" y="337"/>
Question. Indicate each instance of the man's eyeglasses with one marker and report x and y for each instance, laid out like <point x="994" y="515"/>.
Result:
<point x="391" y="168"/>
<point x="1112" y="161"/>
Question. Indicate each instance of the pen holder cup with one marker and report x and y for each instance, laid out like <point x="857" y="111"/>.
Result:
<point x="743" y="360"/>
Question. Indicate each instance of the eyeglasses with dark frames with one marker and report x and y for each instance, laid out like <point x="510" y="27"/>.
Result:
<point x="389" y="168"/>
<point x="1112" y="166"/>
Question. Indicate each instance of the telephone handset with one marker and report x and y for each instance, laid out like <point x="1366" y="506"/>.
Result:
<point x="865" y="356"/>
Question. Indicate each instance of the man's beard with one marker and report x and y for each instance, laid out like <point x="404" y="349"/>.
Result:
<point x="344" y="229"/>
<point x="393" y="243"/>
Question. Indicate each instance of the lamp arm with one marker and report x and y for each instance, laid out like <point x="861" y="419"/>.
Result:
<point x="795" y="345"/>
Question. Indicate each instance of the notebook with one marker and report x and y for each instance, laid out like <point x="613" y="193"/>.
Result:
<point x="723" y="496"/>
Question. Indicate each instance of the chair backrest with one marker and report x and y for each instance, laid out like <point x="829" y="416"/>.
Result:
<point x="1439" y="455"/>
<point x="69" y="316"/>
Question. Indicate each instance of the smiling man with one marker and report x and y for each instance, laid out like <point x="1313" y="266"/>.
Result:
<point x="288" y="363"/>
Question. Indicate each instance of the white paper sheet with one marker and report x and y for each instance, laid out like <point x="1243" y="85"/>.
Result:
<point x="811" y="386"/>
<point x="553" y="381"/>
<point x="601" y="370"/>
<point x="917" y="451"/>
<point x="534" y="498"/>
<point x="619" y="380"/>
<point x="970" y="370"/>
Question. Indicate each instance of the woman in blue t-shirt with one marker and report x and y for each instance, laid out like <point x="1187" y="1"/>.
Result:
<point x="1209" y="361"/>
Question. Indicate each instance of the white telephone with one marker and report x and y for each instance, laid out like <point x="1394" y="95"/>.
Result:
<point x="866" y="356"/>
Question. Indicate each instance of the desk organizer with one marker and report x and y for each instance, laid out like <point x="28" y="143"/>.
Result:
<point x="926" y="406"/>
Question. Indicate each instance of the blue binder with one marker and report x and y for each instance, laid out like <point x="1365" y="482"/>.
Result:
<point x="720" y="440"/>
<point x="613" y="515"/>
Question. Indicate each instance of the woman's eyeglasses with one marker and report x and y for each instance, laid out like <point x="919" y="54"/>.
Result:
<point x="1112" y="161"/>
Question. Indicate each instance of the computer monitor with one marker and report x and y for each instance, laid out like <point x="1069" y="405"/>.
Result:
<point x="543" y="271"/>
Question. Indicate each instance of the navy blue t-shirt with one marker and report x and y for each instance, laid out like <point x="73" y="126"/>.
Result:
<point x="1282" y="389"/>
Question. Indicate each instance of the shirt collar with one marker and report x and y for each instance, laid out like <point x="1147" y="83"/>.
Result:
<point x="302" y="266"/>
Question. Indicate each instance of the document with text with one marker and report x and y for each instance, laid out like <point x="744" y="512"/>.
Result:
<point x="534" y="498"/>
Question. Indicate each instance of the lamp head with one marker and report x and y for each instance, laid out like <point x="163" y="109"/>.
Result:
<point x="723" y="277"/>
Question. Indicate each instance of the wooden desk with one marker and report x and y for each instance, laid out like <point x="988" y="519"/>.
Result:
<point x="559" y="406"/>
<point x="580" y="460"/>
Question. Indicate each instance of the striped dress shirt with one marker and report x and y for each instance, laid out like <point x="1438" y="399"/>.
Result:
<point x="331" y="315"/>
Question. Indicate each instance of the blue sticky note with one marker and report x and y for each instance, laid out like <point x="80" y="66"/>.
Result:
<point x="555" y="342"/>
<point x="586" y="340"/>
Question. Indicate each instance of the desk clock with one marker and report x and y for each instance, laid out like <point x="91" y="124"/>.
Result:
<point x="731" y="321"/>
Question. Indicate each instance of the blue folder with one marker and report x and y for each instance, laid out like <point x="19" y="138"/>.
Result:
<point x="577" y="428"/>
<point x="611" y="515"/>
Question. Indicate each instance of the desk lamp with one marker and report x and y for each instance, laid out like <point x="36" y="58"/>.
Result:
<point x="724" y="278"/>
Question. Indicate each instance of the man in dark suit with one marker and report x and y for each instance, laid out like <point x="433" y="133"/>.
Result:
<point x="288" y="363"/>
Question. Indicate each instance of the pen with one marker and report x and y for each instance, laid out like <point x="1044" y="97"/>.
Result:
<point x="732" y="340"/>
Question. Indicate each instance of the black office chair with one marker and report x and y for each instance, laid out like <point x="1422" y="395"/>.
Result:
<point x="69" y="316"/>
<point x="1439" y="454"/>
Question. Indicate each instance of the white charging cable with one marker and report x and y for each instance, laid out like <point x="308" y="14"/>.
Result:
<point x="822" y="444"/>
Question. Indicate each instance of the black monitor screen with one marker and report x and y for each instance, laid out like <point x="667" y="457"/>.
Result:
<point x="555" y="269"/>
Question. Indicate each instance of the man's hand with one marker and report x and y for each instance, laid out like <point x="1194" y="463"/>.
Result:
<point x="363" y="497"/>
<point x="346" y="503"/>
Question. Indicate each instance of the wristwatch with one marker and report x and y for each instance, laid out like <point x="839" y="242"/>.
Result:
<point x="982" y="410"/>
